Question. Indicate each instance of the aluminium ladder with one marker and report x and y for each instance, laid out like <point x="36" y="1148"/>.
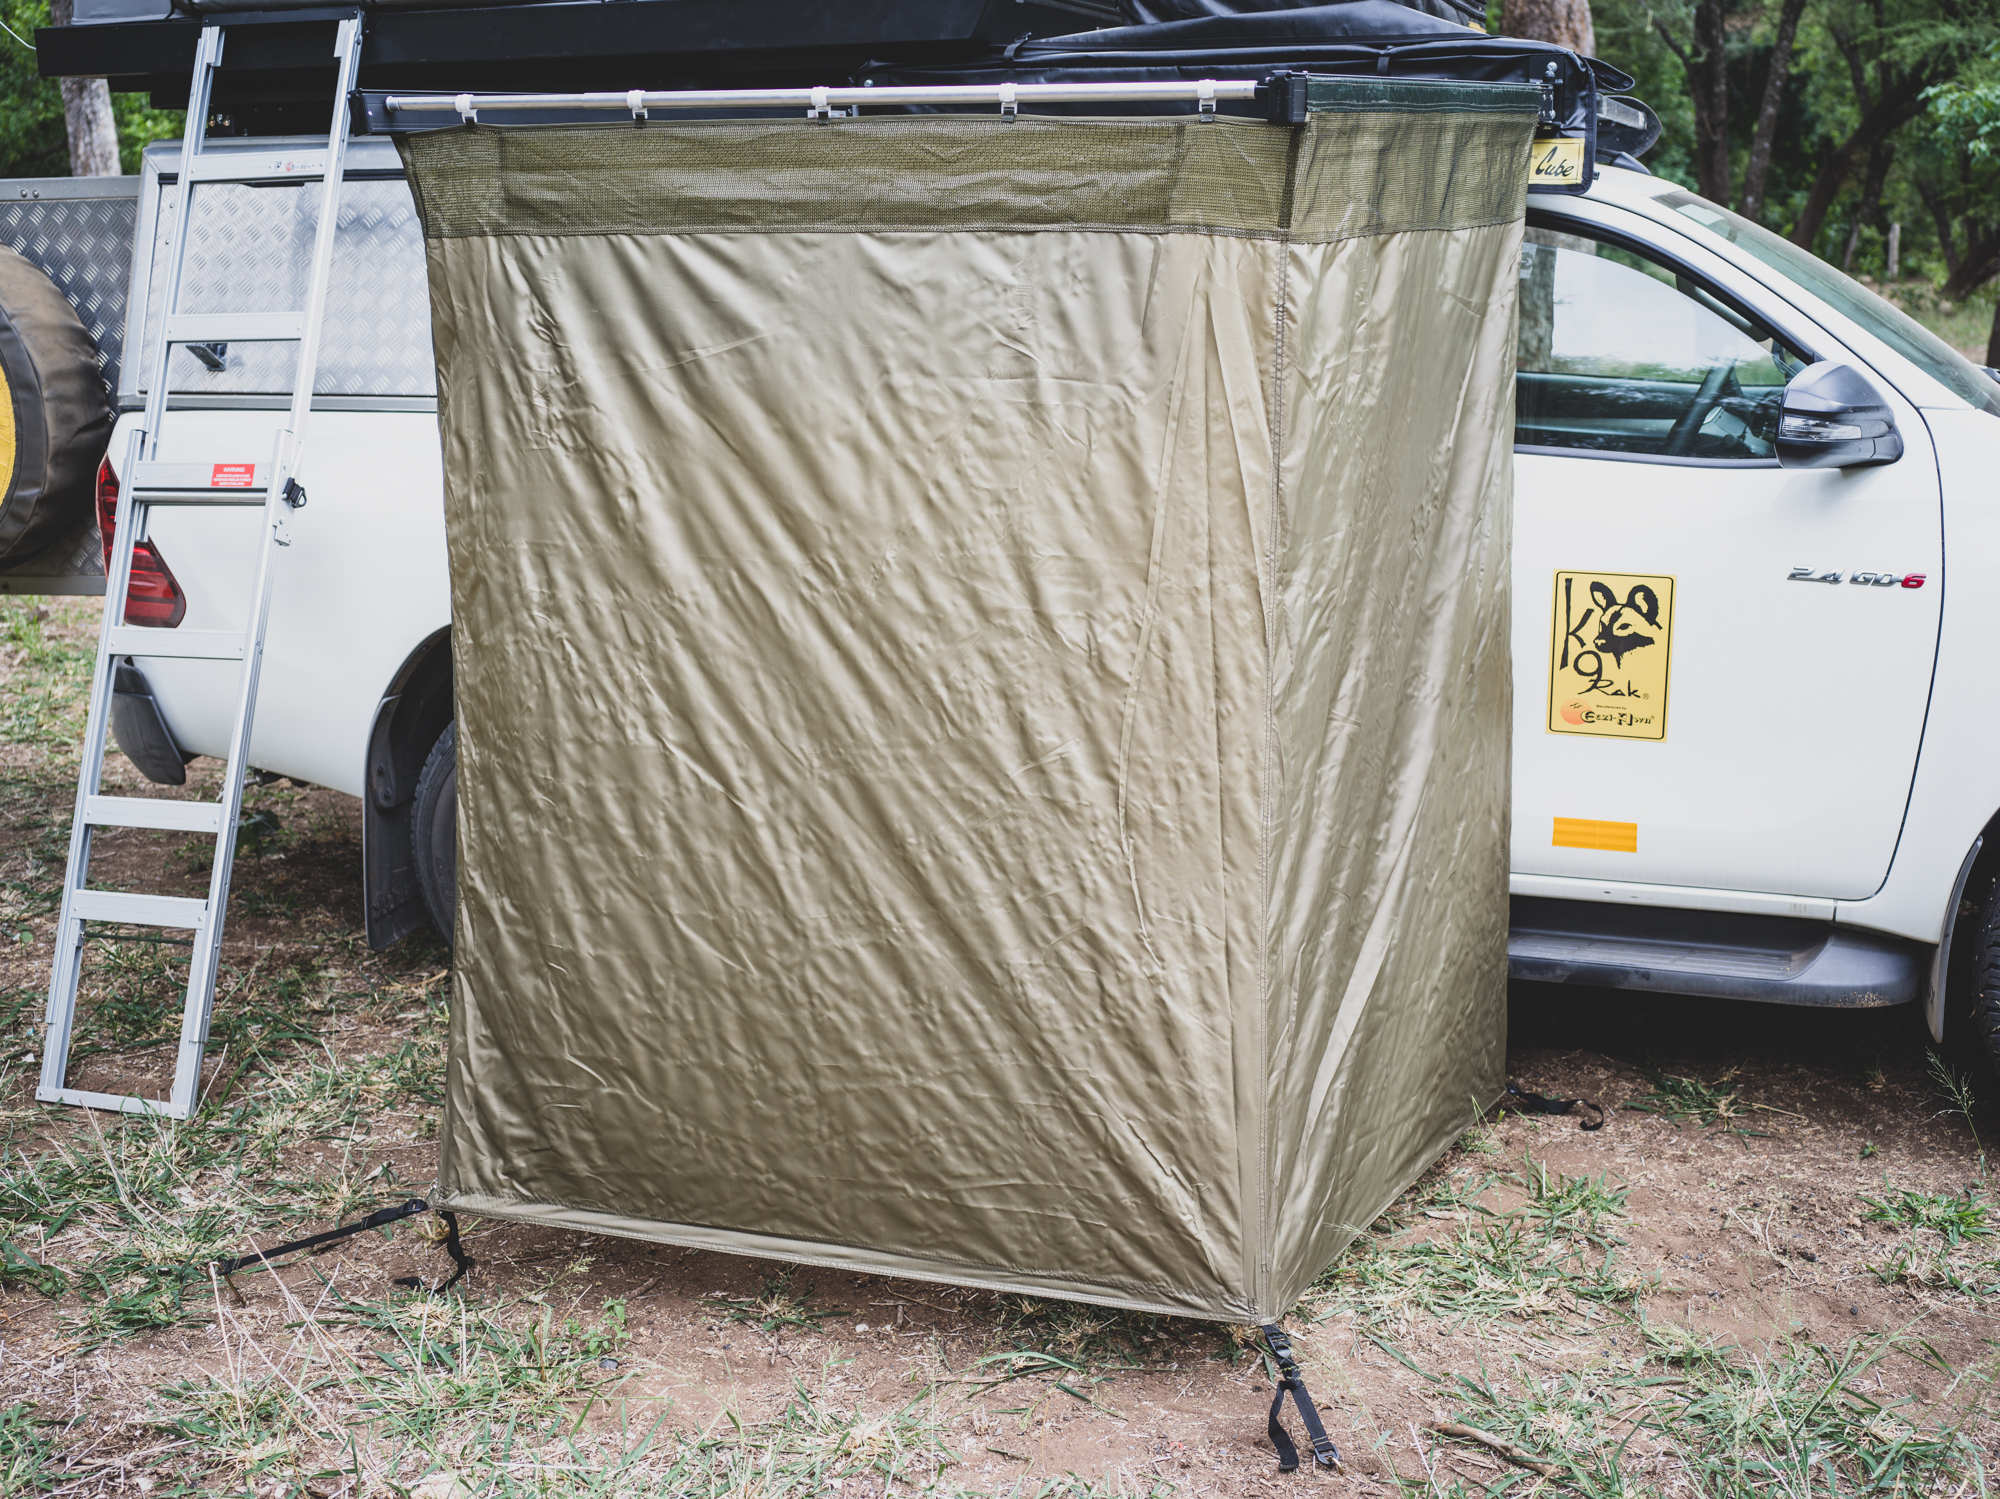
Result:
<point x="148" y="482"/>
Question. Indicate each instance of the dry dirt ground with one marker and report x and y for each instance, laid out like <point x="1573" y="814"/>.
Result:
<point x="1771" y="1272"/>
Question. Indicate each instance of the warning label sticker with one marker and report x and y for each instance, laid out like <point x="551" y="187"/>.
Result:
<point x="1608" y="664"/>
<point x="233" y="476"/>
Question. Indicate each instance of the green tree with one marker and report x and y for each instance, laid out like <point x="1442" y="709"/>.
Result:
<point x="1890" y="54"/>
<point x="33" y="138"/>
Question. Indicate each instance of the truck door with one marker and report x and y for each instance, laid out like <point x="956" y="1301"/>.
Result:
<point x="1722" y="667"/>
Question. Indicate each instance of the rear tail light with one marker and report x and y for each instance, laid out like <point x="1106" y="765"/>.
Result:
<point x="153" y="598"/>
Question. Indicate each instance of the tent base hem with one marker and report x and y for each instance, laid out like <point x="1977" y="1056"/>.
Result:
<point x="860" y="1261"/>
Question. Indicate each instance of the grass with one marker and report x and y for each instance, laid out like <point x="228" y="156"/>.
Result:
<point x="1678" y="1410"/>
<point x="1551" y="1257"/>
<point x="1957" y="1217"/>
<point x="26" y="1453"/>
<point x="1943" y="1249"/>
<point x="442" y="1396"/>
<point x="1956" y="1089"/>
<point x="1681" y="1099"/>
<point x="777" y="1308"/>
<point x="1790" y="1422"/>
<point x="1964" y="325"/>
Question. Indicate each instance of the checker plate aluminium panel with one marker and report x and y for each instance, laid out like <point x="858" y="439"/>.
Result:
<point x="251" y="251"/>
<point x="79" y="231"/>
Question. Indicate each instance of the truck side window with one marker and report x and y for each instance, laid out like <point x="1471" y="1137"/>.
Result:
<point x="1619" y="354"/>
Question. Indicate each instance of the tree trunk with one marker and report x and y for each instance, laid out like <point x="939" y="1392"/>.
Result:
<point x="1888" y="114"/>
<point x="1564" y="22"/>
<point x="1993" y="340"/>
<point x="1941" y="216"/>
<point x="1869" y="210"/>
<point x="1538" y="308"/>
<point x="1979" y="265"/>
<point x="1758" y="170"/>
<point x="93" y="131"/>
<point x="1708" y="82"/>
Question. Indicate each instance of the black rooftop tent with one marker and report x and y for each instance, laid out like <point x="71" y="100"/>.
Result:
<point x="277" y="71"/>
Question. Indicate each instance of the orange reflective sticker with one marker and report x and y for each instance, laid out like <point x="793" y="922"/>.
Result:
<point x="1585" y="832"/>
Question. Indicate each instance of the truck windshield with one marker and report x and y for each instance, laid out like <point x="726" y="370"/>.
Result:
<point x="1894" y="327"/>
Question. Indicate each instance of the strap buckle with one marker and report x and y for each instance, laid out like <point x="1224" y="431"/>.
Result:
<point x="1325" y="1453"/>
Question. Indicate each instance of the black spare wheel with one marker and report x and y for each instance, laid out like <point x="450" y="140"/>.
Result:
<point x="54" y="419"/>
<point x="434" y="829"/>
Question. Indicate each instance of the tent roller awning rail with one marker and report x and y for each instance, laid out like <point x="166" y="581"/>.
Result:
<point x="820" y="101"/>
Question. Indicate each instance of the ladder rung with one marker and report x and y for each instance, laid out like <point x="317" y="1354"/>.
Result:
<point x="257" y="166"/>
<point x="134" y="909"/>
<point x="235" y="327"/>
<point x="124" y="1103"/>
<point x="151" y="812"/>
<point x="199" y="497"/>
<point x="187" y="645"/>
<point x="200" y="483"/>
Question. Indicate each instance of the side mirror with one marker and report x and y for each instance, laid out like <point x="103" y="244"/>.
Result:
<point x="1833" y="418"/>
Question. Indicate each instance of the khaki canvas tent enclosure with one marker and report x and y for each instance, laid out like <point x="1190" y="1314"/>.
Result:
<point x="982" y="679"/>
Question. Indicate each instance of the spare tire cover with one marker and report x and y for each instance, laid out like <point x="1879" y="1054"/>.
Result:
<point x="55" y="421"/>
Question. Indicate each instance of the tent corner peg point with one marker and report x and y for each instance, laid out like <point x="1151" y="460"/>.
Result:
<point x="1289" y="1380"/>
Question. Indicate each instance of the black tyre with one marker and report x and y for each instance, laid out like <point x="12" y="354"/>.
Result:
<point x="434" y="830"/>
<point x="1980" y="935"/>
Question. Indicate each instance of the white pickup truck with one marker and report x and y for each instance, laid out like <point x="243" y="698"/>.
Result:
<point x="1752" y="737"/>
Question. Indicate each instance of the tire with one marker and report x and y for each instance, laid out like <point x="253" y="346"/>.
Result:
<point x="60" y="419"/>
<point x="1983" y="975"/>
<point x="434" y="831"/>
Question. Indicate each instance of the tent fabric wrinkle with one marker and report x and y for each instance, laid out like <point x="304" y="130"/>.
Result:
<point x="982" y="681"/>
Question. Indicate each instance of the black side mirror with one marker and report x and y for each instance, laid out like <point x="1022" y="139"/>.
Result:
<point x="1833" y="418"/>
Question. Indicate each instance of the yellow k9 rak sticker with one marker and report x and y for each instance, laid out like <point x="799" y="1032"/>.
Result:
<point x="1608" y="665"/>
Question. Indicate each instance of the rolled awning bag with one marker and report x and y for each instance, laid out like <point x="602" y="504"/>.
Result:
<point x="982" y="674"/>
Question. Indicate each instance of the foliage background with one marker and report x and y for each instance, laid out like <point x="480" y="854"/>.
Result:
<point x="1928" y="70"/>
<point x="33" y="142"/>
<point x="1909" y="88"/>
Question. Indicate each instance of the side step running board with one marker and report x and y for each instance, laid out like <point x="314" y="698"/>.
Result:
<point x="1712" y="954"/>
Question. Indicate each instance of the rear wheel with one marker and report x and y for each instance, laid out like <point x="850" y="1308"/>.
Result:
<point x="1985" y="975"/>
<point x="434" y="830"/>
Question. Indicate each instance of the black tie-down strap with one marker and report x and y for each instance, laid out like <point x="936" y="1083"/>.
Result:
<point x="379" y="1219"/>
<point x="1536" y="1103"/>
<point x="1324" y="1452"/>
<point x="452" y="1247"/>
